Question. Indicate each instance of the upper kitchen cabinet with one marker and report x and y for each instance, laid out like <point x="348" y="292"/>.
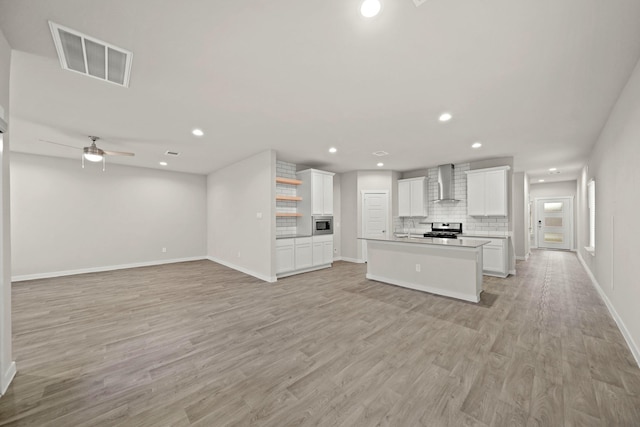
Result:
<point x="487" y="192"/>
<point x="412" y="197"/>
<point x="316" y="191"/>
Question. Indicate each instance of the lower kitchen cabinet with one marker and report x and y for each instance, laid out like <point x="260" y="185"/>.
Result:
<point x="301" y="254"/>
<point x="304" y="258"/>
<point x="494" y="258"/>
<point x="322" y="249"/>
<point x="285" y="255"/>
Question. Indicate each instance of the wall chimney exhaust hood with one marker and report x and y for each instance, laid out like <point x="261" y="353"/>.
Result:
<point x="445" y="184"/>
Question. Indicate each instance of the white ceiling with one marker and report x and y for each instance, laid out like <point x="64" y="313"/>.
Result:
<point x="530" y="79"/>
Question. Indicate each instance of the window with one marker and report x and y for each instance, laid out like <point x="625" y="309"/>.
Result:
<point x="591" y="196"/>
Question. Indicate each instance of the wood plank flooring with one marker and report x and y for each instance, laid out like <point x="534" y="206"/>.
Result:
<point x="198" y="344"/>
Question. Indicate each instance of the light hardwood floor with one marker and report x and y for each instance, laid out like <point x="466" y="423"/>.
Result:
<point x="199" y="344"/>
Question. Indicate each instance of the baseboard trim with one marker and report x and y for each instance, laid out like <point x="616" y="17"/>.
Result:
<point x="524" y="258"/>
<point x="7" y="377"/>
<point x="338" y="258"/>
<point x="23" y="277"/>
<point x="270" y="279"/>
<point x="355" y="260"/>
<point x="304" y="270"/>
<point x="635" y="350"/>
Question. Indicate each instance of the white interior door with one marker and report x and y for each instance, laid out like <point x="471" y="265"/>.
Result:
<point x="375" y="217"/>
<point x="554" y="223"/>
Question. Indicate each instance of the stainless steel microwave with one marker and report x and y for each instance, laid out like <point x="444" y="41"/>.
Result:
<point x="322" y="225"/>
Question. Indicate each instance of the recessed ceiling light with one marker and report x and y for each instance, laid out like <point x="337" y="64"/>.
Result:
<point x="380" y="164"/>
<point x="445" y="117"/>
<point x="553" y="169"/>
<point x="476" y="145"/>
<point x="380" y="153"/>
<point x="197" y="132"/>
<point x="370" y="8"/>
<point x="541" y="180"/>
<point x="333" y="149"/>
<point x="163" y="163"/>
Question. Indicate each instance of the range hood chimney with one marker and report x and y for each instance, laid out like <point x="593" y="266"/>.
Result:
<point x="445" y="184"/>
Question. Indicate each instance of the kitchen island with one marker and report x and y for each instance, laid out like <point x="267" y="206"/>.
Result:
<point x="448" y="267"/>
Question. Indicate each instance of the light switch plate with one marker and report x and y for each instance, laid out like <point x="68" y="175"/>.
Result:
<point x="259" y="215"/>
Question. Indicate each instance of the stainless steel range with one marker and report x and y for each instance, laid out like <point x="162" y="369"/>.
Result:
<point x="445" y="230"/>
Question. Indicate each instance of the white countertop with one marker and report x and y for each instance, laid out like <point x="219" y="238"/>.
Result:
<point x="460" y="243"/>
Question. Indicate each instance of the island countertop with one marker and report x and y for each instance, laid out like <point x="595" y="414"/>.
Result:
<point x="456" y="243"/>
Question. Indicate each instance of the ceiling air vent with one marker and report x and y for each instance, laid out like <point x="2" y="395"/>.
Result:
<point x="380" y="153"/>
<point x="91" y="57"/>
<point x="171" y="153"/>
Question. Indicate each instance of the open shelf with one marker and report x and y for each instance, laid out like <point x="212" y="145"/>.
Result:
<point x="288" y="214"/>
<point x="289" y="198"/>
<point x="289" y="181"/>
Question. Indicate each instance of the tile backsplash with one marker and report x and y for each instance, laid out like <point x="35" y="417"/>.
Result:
<point x="453" y="211"/>
<point x="286" y="225"/>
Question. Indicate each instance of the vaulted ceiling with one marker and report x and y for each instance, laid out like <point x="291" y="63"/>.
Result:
<point x="535" y="80"/>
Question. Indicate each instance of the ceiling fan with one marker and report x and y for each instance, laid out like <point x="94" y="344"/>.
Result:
<point x="93" y="153"/>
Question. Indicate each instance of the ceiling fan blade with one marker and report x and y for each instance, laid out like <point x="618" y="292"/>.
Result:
<point x="58" y="143"/>
<point x="117" y="153"/>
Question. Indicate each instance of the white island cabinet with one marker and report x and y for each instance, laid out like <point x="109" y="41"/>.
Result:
<point x="487" y="192"/>
<point x="448" y="267"/>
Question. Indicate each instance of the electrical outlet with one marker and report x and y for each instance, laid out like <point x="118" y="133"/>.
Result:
<point x="164" y="250"/>
<point x="418" y="268"/>
<point x="259" y="215"/>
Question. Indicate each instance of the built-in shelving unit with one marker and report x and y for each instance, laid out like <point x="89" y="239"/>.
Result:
<point x="289" y="181"/>
<point x="288" y="198"/>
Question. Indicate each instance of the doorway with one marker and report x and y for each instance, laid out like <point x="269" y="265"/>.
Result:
<point x="375" y="216"/>
<point x="554" y="223"/>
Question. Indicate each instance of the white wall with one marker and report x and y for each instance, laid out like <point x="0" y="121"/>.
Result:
<point x="337" y="217"/>
<point x="68" y="219"/>
<point x="7" y="366"/>
<point x="236" y="194"/>
<point x="349" y="220"/>
<point x="613" y="164"/>
<point x="554" y="189"/>
<point x="520" y="216"/>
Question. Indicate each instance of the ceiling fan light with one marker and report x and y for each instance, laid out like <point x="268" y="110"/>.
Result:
<point x="93" y="157"/>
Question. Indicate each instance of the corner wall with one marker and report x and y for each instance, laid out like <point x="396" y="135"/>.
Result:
<point x="613" y="164"/>
<point x="7" y="365"/>
<point x="349" y="219"/>
<point x="236" y="196"/>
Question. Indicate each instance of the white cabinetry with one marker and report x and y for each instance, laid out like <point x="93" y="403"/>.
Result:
<point x="487" y="192"/>
<point x="412" y="197"/>
<point x="494" y="258"/>
<point x="301" y="254"/>
<point x="322" y="250"/>
<point x="304" y="258"/>
<point x="285" y="255"/>
<point x="317" y="189"/>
